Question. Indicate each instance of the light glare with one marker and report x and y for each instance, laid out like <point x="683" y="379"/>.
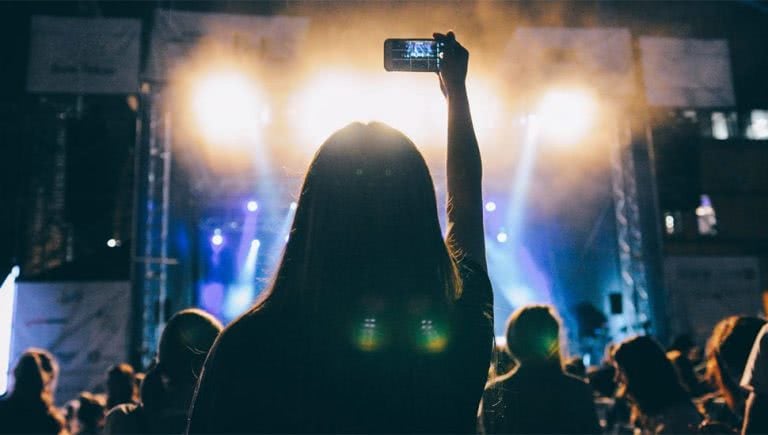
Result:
<point x="565" y="116"/>
<point x="228" y="109"/>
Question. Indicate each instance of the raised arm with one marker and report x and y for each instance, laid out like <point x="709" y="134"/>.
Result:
<point x="464" y="168"/>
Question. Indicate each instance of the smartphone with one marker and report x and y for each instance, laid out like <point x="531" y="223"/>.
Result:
<point x="420" y="55"/>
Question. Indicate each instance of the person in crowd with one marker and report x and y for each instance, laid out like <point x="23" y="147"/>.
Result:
<point x="121" y="385"/>
<point x="726" y="355"/>
<point x="169" y="384"/>
<point x="755" y="380"/>
<point x="538" y="396"/>
<point x="686" y="373"/>
<point x="29" y="407"/>
<point x="374" y="322"/>
<point x="575" y="367"/>
<point x="90" y="414"/>
<point x="646" y="377"/>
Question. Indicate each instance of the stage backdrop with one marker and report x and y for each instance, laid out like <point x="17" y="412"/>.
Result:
<point x="84" y="324"/>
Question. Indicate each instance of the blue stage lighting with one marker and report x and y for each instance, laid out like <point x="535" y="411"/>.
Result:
<point x="252" y="206"/>
<point x="502" y="237"/>
<point x="490" y="206"/>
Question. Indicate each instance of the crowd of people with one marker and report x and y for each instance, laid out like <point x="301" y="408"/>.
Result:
<point x="375" y="322"/>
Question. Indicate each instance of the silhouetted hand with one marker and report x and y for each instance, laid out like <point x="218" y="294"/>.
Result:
<point x="453" y="67"/>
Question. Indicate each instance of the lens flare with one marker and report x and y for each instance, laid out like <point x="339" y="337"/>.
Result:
<point x="368" y="335"/>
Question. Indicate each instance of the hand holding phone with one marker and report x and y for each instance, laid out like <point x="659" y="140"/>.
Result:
<point x="415" y="55"/>
<point x="453" y="67"/>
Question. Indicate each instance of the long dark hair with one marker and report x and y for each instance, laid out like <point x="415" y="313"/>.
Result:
<point x="366" y="232"/>
<point x="727" y="351"/>
<point x="650" y="379"/>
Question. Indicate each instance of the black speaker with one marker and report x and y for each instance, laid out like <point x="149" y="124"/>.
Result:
<point x="617" y="306"/>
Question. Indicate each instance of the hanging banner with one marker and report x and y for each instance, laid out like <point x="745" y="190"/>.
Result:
<point x="703" y="290"/>
<point x="687" y="72"/>
<point x="83" y="324"/>
<point x="175" y="34"/>
<point x="600" y="58"/>
<point x="84" y="55"/>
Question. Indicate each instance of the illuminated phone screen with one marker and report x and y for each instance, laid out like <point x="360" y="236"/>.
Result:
<point x="414" y="55"/>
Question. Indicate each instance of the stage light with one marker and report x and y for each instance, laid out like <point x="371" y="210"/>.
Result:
<point x="113" y="243"/>
<point x="255" y="243"/>
<point x="333" y="99"/>
<point x="228" y="108"/>
<point x="217" y="239"/>
<point x="502" y="237"/>
<point x="7" y="296"/>
<point x="252" y="206"/>
<point x="565" y="116"/>
<point x="293" y="205"/>
<point x="490" y="206"/>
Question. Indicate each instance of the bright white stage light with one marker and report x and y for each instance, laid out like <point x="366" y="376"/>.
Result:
<point x="293" y="205"/>
<point x="255" y="243"/>
<point x="565" y="116"/>
<point x="252" y="206"/>
<point x="502" y="237"/>
<point x="411" y="103"/>
<point x="490" y="206"/>
<point x="333" y="99"/>
<point x="217" y="239"/>
<point x="113" y="243"/>
<point x="228" y="108"/>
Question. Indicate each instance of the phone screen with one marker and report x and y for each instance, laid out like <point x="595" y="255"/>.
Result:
<point x="412" y="55"/>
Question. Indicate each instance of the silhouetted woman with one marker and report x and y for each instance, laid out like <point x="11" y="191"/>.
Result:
<point x="660" y="404"/>
<point x="29" y="408"/>
<point x="727" y="352"/>
<point x="374" y="323"/>
<point x="169" y="384"/>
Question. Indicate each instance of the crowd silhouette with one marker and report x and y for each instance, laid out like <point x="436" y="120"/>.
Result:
<point x="376" y="323"/>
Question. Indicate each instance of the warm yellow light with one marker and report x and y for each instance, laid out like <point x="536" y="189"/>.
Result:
<point x="229" y="111"/>
<point x="565" y="116"/>
<point x="411" y="103"/>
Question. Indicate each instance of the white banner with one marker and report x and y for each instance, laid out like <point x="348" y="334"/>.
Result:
<point x="84" y="325"/>
<point x="687" y="72"/>
<point x="600" y="57"/>
<point x="84" y="55"/>
<point x="264" y="38"/>
<point x="703" y="290"/>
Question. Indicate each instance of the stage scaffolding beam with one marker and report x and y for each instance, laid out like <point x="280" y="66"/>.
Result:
<point x="149" y="258"/>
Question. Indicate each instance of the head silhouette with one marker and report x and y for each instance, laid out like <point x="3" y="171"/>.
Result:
<point x="121" y="385"/>
<point x="184" y="345"/>
<point x="647" y="376"/>
<point x="727" y="351"/>
<point x="366" y="235"/>
<point x="35" y="376"/>
<point x="91" y="412"/>
<point x="185" y="342"/>
<point x="533" y="335"/>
